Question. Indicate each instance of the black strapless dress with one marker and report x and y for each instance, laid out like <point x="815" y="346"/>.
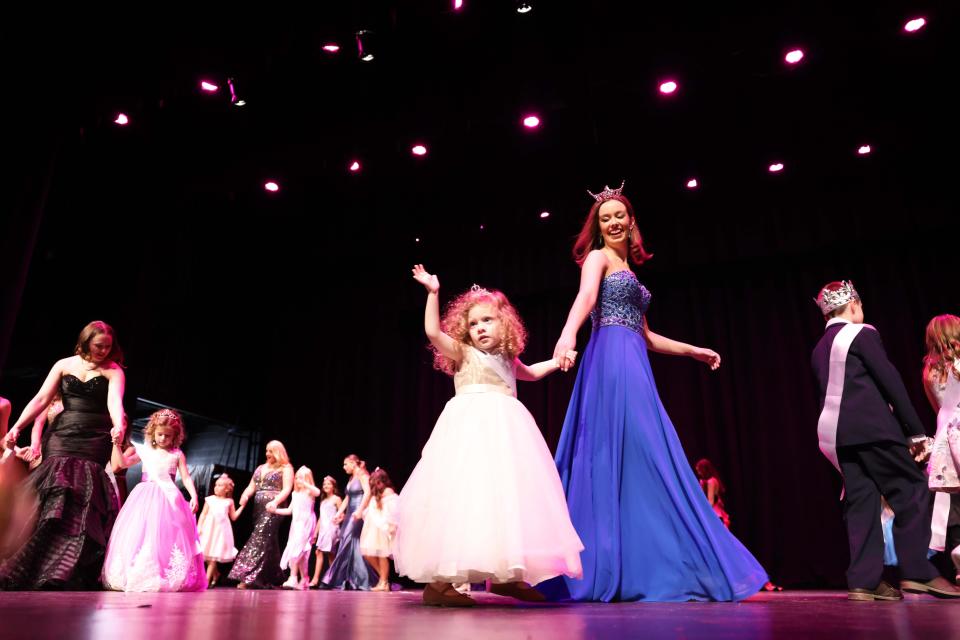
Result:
<point x="76" y="505"/>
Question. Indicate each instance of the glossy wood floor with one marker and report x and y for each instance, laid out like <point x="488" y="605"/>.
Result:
<point x="227" y="613"/>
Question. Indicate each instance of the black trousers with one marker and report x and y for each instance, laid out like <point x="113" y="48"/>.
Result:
<point x="885" y="469"/>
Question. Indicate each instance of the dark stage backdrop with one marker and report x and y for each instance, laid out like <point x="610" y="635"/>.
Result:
<point x="297" y="315"/>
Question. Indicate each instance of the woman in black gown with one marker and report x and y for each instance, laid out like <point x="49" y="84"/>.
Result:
<point x="76" y="504"/>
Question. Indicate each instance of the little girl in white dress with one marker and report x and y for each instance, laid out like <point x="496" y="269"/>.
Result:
<point x="296" y="555"/>
<point x="215" y="528"/>
<point x="485" y="501"/>
<point x="380" y="527"/>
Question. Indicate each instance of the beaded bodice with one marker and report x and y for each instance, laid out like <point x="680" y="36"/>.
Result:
<point x="621" y="302"/>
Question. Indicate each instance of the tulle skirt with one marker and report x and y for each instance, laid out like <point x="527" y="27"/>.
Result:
<point x="485" y="501"/>
<point x="154" y="546"/>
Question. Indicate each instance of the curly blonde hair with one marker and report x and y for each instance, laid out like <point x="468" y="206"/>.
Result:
<point x="165" y="418"/>
<point x="943" y="346"/>
<point x="455" y="324"/>
<point x="227" y="482"/>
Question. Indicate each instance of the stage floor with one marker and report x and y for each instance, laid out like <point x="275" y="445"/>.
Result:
<point x="228" y="613"/>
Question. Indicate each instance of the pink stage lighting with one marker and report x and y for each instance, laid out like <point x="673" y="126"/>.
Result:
<point x="668" y="87"/>
<point x="531" y="122"/>
<point x="122" y="119"/>
<point x="209" y="87"/>
<point x="864" y="150"/>
<point x="355" y="166"/>
<point x="271" y="186"/>
<point x="331" y="47"/>
<point x="418" y="150"/>
<point x="776" y="168"/>
<point x="457" y="5"/>
<point x="544" y="214"/>
<point x="915" y="25"/>
<point x="692" y="183"/>
<point x="793" y="57"/>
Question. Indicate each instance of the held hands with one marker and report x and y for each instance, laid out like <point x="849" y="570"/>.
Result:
<point x="431" y="282"/>
<point x="564" y="354"/>
<point x="921" y="450"/>
<point x="10" y="440"/>
<point x="27" y="454"/>
<point x="708" y="356"/>
<point x="194" y="503"/>
<point x="567" y="361"/>
<point x="272" y="506"/>
<point x="116" y="435"/>
<point x="337" y="519"/>
<point x="357" y="516"/>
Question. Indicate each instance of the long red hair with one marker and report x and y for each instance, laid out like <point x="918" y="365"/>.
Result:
<point x="590" y="237"/>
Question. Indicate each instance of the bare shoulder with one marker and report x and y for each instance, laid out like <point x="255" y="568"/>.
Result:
<point x="596" y="256"/>
<point x="66" y="365"/>
<point x="113" y="371"/>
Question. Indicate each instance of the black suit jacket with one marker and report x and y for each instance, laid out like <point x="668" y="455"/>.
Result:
<point x="871" y="387"/>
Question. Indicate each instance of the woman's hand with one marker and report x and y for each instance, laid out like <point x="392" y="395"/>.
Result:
<point x="709" y="356"/>
<point x="357" y="516"/>
<point x="431" y="282"/>
<point x="564" y="352"/>
<point x="194" y="504"/>
<point x="272" y="506"/>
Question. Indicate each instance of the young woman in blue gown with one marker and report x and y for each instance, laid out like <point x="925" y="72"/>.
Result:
<point x="649" y="532"/>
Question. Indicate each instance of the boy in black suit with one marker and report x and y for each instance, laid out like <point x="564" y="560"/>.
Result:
<point x="870" y="432"/>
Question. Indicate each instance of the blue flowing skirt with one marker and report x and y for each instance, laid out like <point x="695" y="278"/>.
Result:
<point x="649" y="532"/>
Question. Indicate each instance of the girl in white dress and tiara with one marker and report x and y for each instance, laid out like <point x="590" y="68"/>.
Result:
<point x="303" y="524"/>
<point x="485" y="501"/>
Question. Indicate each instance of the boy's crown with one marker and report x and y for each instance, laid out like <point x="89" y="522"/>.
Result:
<point x="830" y="299"/>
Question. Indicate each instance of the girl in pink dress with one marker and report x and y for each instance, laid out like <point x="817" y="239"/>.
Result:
<point x="154" y="545"/>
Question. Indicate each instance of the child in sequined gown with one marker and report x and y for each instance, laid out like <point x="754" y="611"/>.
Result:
<point x="485" y="501"/>
<point x="154" y="545"/>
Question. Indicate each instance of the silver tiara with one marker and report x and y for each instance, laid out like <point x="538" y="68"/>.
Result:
<point x="607" y="193"/>
<point x="478" y="289"/>
<point x="829" y="300"/>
